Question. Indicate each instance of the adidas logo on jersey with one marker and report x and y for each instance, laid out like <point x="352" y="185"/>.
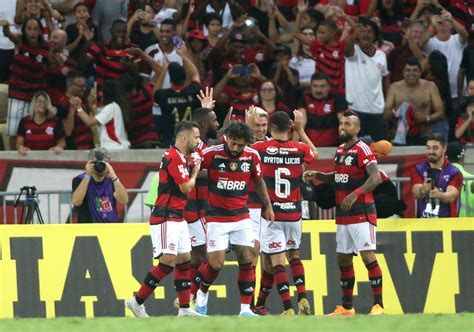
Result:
<point x="221" y="167"/>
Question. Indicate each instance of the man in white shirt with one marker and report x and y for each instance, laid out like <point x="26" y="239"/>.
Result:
<point x="367" y="78"/>
<point x="450" y="45"/>
<point x="7" y="48"/>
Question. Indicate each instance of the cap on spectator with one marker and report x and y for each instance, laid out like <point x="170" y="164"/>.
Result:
<point x="455" y="151"/>
<point x="283" y="48"/>
<point x="177" y="73"/>
<point x="382" y="147"/>
<point x="238" y="37"/>
<point x="99" y="154"/>
<point x="196" y="34"/>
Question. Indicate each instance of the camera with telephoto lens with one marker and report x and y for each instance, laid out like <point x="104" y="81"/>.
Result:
<point x="99" y="166"/>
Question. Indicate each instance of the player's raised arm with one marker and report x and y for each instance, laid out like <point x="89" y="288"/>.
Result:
<point x="299" y="125"/>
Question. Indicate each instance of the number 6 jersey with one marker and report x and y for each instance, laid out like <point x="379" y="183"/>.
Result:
<point x="282" y="169"/>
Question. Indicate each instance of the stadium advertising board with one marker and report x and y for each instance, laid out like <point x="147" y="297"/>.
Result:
<point x="89" y="270"/>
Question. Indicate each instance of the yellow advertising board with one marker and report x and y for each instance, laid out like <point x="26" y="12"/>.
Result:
<point x="89" y="270"/>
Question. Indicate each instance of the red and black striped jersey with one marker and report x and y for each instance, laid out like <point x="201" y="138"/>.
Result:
<point x="228" y="182"/>
<point x="40" y="136"/>
<point x="143" y="127"/>
<point x="170" y="203"/>
<point x="282" y="169"/>
<point x="322" y="121"/>
<point x="197" y="198"/>
<point x="28" y="71"/>
<point x="330" y="60"/>
<point x="408" y="6"/>
<point x="108" y="62"/>
<point x="254" y="201"/>
<point x="350" y="164"/>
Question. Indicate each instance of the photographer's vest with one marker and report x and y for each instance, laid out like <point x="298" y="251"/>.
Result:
<point x="443" y="177"/>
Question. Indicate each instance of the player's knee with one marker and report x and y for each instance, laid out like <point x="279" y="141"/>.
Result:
<point x="368" y="257"/>
<point x="216" y="263"/>
<point x="292" y="254"/>
<point x="344" y="260"/>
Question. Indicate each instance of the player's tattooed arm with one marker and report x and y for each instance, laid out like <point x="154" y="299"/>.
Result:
<point x="324" y="177"/>
<point x="373" y="180"/>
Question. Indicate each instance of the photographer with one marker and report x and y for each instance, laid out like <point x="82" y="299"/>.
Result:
<point x="436" y="182"/>
<point x="96" y="192"/>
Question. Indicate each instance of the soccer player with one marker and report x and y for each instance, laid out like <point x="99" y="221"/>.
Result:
<point x="282" y="162"/>
<point x="169" y="232"/>
<point x="231" y="166"/>
<point x="195" y="211"/>
<point x="356" y="175"/>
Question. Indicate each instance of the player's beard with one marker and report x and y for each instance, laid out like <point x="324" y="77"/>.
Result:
<point x="212" y="133"/>
<point x="230" y="153"/>
<point x="346" y="137"/>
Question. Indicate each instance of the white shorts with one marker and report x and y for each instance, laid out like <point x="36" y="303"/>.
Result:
<point x="353" y="238"/>
<point x="17" y="109"/>
<point x="170" y="237"/>
<point x="197" y="232"/>
<point x="280" y="236"/>
<point x="221" y="234"/>
<point x="256" y="216"/>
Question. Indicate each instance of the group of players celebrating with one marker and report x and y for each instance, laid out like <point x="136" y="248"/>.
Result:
<point x="245" y="194"/>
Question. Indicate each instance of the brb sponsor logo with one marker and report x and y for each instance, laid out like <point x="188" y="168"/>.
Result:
<point x="274" y="245"/>
<point x="230" y="185"/>
<point x="341" y="178"/>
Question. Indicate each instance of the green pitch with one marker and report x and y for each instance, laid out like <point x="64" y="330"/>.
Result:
<point x="414" y="322"/>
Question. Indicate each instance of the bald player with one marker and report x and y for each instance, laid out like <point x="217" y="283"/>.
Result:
<point x="355" y="176"/>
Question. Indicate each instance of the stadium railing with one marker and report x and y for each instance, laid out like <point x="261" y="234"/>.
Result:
<point x="56" y="206"/>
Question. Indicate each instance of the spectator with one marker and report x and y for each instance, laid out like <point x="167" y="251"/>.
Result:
<point x="451" y="45"/>
<point x="238" y="89"/>
<point x="178" y="101"/>
<point x="111" y="59"/>
<point x="60" y="66"/>
<point x="285" y="77"/>
<point x="80" y="36"/>
<point x="7" y="47"/>
<point x="391" y="17"/>
<point x="328" y="53"/>
<point x="436" y="182"/>
<point x="106" y="13"/>
<point x="366" y="79"/>
<point x="322" y="111"/>
<point x="436" y="68"/>
<point x="40" y="129"/>
<point x="213" y="24"/>
<point x="78" y="134"/>
<point x="303" y="61"/>
<point x="198" y="47"/>
<point x="269" y="98"/>
<point x="259" y="48"/>
<point x="165" y="10"/>
<point x="465" y="124"/>
<point x="41" y="10"/>
<point x="165" y="48"/>
<point x="113" y="119"/>
<point x="383" y="45"/>
<point x="455" y="153"/>
<point x="466" y="68"/>
<point x="410" y="48"/>
<point x="228" y="10"/>
<point x="144" y="34"/>
<point x="417" y="104"/>
<point x="26" y="73"/>
<point x="143" y="134"/>
<point x="96" y="192"/>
